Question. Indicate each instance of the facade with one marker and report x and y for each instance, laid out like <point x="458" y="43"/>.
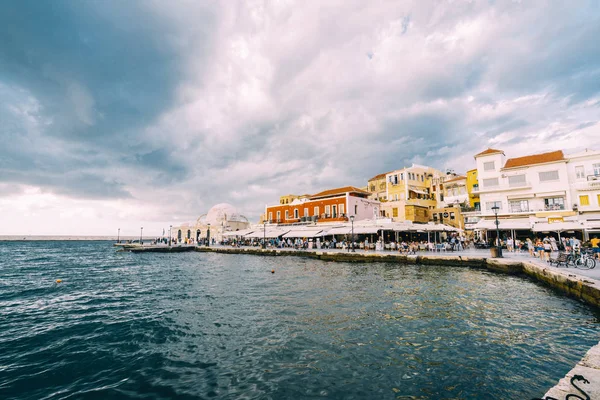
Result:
<point x="377" y="187"/>
<point x="584" y="176"/>
<point x="455" y="190"/>
<point x="409" y="195"/>
<point x="473" y="189"/>
<point x="220" y="218"/>
<point x="288" y="198"/>
<point x="451" y="215"/>
<point x="531" y="194"/>
<point x="334" y="205"/>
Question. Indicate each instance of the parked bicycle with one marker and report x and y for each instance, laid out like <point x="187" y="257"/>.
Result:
<point x="585" y="260"/>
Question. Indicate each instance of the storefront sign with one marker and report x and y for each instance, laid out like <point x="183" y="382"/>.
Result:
<point x="555" y="219"/>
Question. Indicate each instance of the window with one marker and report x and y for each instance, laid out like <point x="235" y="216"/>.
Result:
<point x="584" y="200"/>
<point x="451" y="215"/>
<point x="355" y="209"/>
<point x="554" y="203"/>
<point x="278" y="215"/>
<point x="271" y="216"/>
<point x="287" y="214"/>
<point x="490" y="204"/>
<point x="579" y="172"/>
<point x="327" y="210"/>
<point x="548" y="176"/>
<point x="394" y="212"/>
<point x="306" y="212"/>
<point x="491" y="182"/>
<point x="517" y="180"/>
<point x="402" y="176"/>
<point x="372" y="188"/>
<point x="596" y="169"/>
<point x="316" y="210"/>
<point x="296" y="213"/>
<point x="489" y="166"/>
<point x="334" y="210"/>
<point x="341" y="208"/>
<point x="422" y="178"/>
<point x="518" y="205"/>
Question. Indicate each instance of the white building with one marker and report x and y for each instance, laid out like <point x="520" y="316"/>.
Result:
<point x="531" y="192"/>
<point x="584" y="178"/>
<point x="220" y="218"/>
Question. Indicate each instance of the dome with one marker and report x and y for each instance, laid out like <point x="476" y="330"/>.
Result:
<point x="222" y="212"/>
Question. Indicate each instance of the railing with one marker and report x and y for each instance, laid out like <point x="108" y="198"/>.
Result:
<point x="519" y="184"/>
<point x="593" y="177"/>
<point x="470" y="209"/>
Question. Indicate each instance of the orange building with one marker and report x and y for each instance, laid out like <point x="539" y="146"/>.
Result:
<point x="334" y="205"/>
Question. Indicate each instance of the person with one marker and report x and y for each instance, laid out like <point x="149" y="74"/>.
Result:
<point x="547" y="249"/>
<point x="539" y="248"/>
<point x="530" y="246"/>
<point x="509" y="244"/>
<point x="366" y="244"/>
<point x="595" y="245"/>
<point x="576" y="245"/>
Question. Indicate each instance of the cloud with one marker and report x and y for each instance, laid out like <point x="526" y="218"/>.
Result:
<point x="174" y="107"/>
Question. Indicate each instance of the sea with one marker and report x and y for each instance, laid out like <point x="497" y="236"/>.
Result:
<point x="82" y="320"/>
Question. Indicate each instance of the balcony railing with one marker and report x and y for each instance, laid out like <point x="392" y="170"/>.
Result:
<point x="593" y="177"/>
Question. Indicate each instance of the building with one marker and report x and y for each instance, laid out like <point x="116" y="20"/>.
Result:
<point x="219" y="219"/>
<point x="473" y="189"/>
<point x="409" y="195"/>
<point x="288" y="198"/>
<point x="377" y="187"/>
<point x="584" y="177"/>
<point x="334" y="205"/>
<point x="530" y="193"/>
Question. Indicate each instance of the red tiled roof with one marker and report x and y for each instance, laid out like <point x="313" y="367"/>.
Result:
<point x="378" y="176"/>
<point x="535" y="159"/>
<point x="488" y="151"/>
<point x="342" y="190"/>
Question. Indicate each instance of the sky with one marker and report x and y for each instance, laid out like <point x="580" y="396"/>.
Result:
<point x="128" y="114"/>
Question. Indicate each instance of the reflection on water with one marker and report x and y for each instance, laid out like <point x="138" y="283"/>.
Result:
<point x="197" y="325"/>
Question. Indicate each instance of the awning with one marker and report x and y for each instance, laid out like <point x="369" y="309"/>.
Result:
<point x="362" y="230"/>
<point x="303" y="233"/>
<point x="420" y="191"/>
<point x="239" y="233"/>
<point x="489" y="224"/>
<point x="520" y="196"/>
<point x="268" y="233"/>
<point x="558" y="226"/>
<point x="340" y="230"/>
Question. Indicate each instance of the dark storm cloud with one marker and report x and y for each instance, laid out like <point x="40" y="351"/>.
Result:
<point x="100" y="71"/>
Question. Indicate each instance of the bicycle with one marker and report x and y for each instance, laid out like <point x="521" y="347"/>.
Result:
<point x="581" y="260"/>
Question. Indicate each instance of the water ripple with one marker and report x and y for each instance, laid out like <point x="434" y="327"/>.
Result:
<point x="206" y="326"/>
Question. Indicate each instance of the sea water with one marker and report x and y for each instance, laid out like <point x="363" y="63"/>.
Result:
<point x="203" y="325"/>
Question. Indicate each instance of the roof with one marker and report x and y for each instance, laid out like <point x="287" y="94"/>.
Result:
<point x="543" y="158"/>
<point x="488" y="152"/>
<point x="342" y="190"/>
<point x="378" y="176"/>
<point x="457" y="178"/>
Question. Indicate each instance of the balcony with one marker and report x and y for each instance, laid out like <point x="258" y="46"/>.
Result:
<point x="592" y="183"/>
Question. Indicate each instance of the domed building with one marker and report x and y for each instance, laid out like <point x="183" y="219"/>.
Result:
<point x="219" y="219"/>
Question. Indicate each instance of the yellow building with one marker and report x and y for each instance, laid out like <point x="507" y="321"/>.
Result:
<point x="408" y="193"/>
<point x="473" y="188"/>
<point x="288" y="198"/>
<point x="377" y="187"/>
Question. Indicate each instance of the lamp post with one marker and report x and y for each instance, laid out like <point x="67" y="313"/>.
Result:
<point x="170" y="236"/>
<point x="208" y="236"/>
<point x="141" y="231"/>
<point x="352" y="238"/>
<point x="119" y="235"/>
<point x="264" y="244"/>
<point x="499" y="246"/>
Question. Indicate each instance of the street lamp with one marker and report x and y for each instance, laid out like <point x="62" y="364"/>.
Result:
<point x="141" y="230"/>
<point x="264" y="244"/>
<point x="208" y="236"/>
<point x="170" y="236"/>
<point x="352" y="238"/>
<point x="498" y="244"/>
<point x="119" y="235"/>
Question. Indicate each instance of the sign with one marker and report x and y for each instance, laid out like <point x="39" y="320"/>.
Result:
<point x="552" y="220"/>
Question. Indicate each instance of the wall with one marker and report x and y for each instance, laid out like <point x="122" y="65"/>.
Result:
<point x="365" y="208"/>
<point x="472" y="187"/>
